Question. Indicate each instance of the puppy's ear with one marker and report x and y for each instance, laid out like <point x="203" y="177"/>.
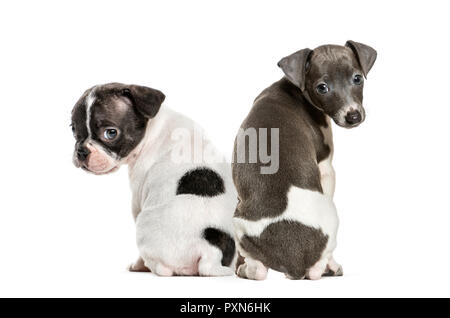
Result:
<point x="295" y="66"/>
<point x="146" y="100"/>
<point x="365" y="54"/>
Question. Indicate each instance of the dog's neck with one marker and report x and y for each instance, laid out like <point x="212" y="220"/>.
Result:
<point x="157" y="142"/>
<point x="315" y="113"/>
<point x="147" y="151"/>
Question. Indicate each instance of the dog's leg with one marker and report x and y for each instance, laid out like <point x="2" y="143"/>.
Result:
<point x="210" y="263"/>
<point x="158" y="268"/>
<point x="162" y="270"/>
<point x="240" y="260"/>
<point x="138" y="266"/>
<point x="316" y="272"/>
<point x="327" y="177"/>
<point x="333" y="268"/>
<point x="252" y="269"/>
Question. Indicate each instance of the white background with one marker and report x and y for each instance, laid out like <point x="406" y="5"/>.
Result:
<point x="66" y="233"/>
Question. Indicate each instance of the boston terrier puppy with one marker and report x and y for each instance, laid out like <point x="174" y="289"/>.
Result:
<point x="182" y="192"/>
<point x="286" y="220"/>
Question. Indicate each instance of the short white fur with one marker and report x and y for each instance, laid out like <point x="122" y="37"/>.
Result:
<point x="169" y="227"/>
<point x="90" y="99"/>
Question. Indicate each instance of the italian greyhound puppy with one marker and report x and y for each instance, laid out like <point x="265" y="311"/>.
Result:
<point x="287" y="220"/>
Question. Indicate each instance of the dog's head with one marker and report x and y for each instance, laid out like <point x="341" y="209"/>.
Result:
<point x="109" y="121"/>
<point x="332" y="77"/>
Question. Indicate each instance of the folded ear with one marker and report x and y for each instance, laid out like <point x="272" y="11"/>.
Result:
<point x="295" y="66"/>
<point x="365" y="54"/>
<point x="146" y="100"/>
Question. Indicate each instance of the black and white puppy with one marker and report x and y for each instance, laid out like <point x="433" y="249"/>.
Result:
<point x="182" y="205"/>
<point x="287" y="220"/>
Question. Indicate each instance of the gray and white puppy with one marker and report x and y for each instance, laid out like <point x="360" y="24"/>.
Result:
<point x="287" y="221"/>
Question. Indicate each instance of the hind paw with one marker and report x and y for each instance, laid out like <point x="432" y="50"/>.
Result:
<point x="333" y="269"/>
<point x="252" y="269"/>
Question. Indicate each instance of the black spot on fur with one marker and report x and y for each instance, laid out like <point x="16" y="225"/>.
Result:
<point x="223" y="241"/>
<point x="202" y="181"/>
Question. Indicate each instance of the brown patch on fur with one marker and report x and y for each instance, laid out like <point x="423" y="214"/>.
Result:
<point x="288" y="247"/>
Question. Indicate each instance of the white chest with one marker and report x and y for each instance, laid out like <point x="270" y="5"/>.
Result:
<point x="327" y="174"/>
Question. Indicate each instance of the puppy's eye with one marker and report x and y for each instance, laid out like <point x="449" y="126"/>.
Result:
<point x="110" y="133"/>
<point x="322" y="88"/>
<point x="358" y="80"/>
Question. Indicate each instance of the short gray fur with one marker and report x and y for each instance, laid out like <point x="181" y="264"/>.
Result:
<point x="295" y="107"/>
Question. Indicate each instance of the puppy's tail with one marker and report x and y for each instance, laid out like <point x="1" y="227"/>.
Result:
<point x="223" y="241"/>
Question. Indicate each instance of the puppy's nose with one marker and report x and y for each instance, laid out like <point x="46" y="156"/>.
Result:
<point x="82" y="153"/>
<point x="353" y="117"/>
